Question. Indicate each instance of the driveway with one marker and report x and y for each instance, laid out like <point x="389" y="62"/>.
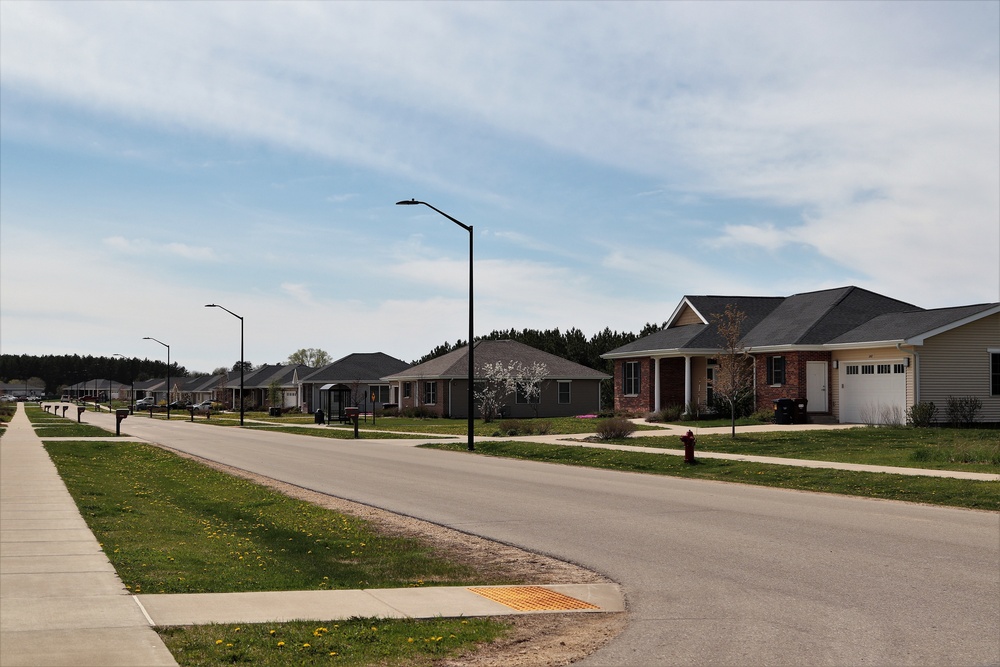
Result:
<point x="714" y="573"/>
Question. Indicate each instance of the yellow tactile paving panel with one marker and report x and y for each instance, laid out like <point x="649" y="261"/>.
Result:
<point x="532" y="598"/>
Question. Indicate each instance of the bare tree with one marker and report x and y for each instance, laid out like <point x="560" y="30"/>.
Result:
<point x="734" y="373"/>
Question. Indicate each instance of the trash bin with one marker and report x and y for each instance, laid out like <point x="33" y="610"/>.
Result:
<point x="784" y="411"/>
<point x="800" y="411"/>
<point x="274" y="412"/>
<point x="319" y="416"/>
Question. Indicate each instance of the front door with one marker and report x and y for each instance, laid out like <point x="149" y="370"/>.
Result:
<point x="816" y="394"/>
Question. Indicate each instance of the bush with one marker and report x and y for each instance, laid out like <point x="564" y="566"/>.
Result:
<point x="543" y="428"/>
<point x="509" y="427"/>
<point x="763" y="416"/>
<point x="671" y="413"/>
<point x="963" y="411"/>
<point x="921" y="415"/>
<point x="615" y="428"/>
<point x="744" y="406"/>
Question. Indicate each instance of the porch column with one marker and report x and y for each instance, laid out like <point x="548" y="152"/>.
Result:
<point x="656" y="384"/>
<point x="687" y="382"/>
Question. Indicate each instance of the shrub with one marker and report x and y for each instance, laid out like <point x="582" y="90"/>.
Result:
<point x="671" y="413"/>
<point x="963" y="411"/>
<point x="509" y="427"/>
<point x="615" y="428"/>
<point x="921" y="415"/>
<point x="763" y="416"/>
<point x="543" y="428"/>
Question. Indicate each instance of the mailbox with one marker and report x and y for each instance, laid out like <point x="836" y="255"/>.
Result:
<point x="79" y="411"/>
<point x="119" y="416"/>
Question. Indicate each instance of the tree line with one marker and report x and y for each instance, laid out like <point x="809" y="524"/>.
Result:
<point x="60" y="370"/>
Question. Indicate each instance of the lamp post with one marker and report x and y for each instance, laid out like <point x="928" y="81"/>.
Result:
<point x="472" y="397"/>
<point x="168" y="370"/>
<point x="240" y="318"/>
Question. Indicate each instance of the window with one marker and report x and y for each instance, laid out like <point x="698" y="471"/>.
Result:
<point x="430" y="393"/>
<point x="994" y="373"/>
<point x="884" y="369"/>
<point x="899" y="368"/>
<point x="407" y="389"/>
<point x="630" y="378"/>
<point x="564" y="396"/>
<point x="868" y="369"/>
<point x="776" y="370"/>
<point x="852" y="369"/>
<point x="378" y="393"/>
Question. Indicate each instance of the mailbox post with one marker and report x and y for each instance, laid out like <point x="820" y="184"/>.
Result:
<point x="352" y="414"/>
<point x="79" y="411"/>
<point x="65" y="408"/>
<point x="120" y="414"/>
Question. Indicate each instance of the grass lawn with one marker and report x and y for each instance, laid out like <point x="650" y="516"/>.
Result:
<point x="938" y="491"/>
<point x="973" y="450"/>
<point x="173" y="525"/>
<point x="553" y="425"/>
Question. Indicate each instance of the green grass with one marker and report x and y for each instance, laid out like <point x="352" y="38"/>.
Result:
<point x="552" y="426"/>
<point x="337" y="432"/>
<point x="355" y="642"/>
<point x="938" y="491"/>
<point x="48" y="425"/>
<point x="972" y="450"/>
<point x="172" y="525"/>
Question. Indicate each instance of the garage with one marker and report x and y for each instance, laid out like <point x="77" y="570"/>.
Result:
<point x="873" y="392"/>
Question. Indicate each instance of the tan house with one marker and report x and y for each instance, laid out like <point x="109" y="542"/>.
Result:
<point x="853" y="355"/>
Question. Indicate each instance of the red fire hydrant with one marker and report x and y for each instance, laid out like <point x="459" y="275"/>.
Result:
<point x="688" y="440"/>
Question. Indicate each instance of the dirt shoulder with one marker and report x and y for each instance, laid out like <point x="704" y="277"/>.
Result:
<point x="548" y="640"/>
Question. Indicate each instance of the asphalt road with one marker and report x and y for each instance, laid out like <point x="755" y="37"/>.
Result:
<point x="714" y="573"/>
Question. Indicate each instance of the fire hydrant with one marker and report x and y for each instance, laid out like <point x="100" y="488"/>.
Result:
<point x="688" y="440"/>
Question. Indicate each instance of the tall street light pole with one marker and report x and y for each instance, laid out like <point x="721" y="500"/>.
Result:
<point x="215" y="305"/>
<point x="472" y="376"/>
<point x="168" y="369"/>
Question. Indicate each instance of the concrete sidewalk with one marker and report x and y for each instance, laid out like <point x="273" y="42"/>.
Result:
<point x="61" y="602"/>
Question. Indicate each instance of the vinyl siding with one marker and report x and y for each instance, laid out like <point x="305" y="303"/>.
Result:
<point x="957" y="363"/>
<point x="686" y="316"/>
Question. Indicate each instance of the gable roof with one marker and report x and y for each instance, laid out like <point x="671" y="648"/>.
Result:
<point x="366" y="367"/>
<point x="455" y="364"/>
<point x="837" y="316"/>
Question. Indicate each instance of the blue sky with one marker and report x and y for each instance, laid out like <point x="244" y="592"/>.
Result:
<point x="611" y="157"/>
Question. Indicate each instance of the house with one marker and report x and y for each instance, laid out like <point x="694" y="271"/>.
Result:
<point x="259" y="383"/>
<point x="853" y="355"/>
<point x="441" y="385"/>
<point x="354" y="380"/>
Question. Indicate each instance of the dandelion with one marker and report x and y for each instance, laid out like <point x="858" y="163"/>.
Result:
<point x="409" y="640"/>
<point x="280" y="644"/>
<point x="271" y="632"/>
<point x="218" y="641"/>
<point x="307" y="645"/>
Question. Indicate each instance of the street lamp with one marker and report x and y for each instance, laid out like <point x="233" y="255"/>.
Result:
<point x="168" y="369"/>
<point x="215" y="305"/>
<point x="472" y="399"/>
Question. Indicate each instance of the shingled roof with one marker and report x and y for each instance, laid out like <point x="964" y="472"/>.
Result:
<point x="365" y="367"/>
<point x="827" y="317"/>
<point x="455" y="364"/>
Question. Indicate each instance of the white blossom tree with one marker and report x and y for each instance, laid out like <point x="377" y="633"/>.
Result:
<point x="499" y="380"/>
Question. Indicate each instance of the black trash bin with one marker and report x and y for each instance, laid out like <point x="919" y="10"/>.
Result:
<point x="784" y="411"/>
<point x="800" y="411"/>
<point x="319" y="416"/>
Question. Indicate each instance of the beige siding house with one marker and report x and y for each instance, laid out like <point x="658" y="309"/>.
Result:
<point x="847" y="354"/>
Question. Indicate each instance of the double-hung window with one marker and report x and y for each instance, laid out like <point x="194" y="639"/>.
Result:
<point x="564" y="395"/>
<point x="407" y="389"/>
<point x="630" y="378"/>
<point x="430" y="393"/>
<point x="775" y="370"/>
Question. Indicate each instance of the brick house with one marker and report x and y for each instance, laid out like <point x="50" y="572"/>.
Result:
<point x="853" y="355"/>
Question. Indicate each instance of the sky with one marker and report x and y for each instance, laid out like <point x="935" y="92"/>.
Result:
<point x="611" y="158"/>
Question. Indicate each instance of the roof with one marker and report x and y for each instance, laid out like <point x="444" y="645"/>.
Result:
<point x="455" y="364"/>
<point x="837" y="316"/>
<point x="366" y="367"/>
<point x="261" y="378"/>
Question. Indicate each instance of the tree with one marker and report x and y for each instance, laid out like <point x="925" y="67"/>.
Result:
<point x="247" y="366"/>
<point x="734" y="373"/>
<point x="312" y="357"/>
<point x="528" y="381"/>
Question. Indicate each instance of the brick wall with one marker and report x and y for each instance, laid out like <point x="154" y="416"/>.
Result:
<point x="795" y="377"/>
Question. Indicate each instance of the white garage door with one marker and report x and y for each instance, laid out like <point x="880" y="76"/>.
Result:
<point x="873" y="392"/>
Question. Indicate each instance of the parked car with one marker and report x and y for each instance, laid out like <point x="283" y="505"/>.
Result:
<point x="180" y="405"/>
<point x="145" y="403"/>
<point x="8" y="398"/>
<point x="204" y="406"/>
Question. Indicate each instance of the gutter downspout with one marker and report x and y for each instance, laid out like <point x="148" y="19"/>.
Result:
<point x="916" y="370"/>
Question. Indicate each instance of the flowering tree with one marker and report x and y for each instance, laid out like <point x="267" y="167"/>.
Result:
<point x="499" y="380"/>
<point x="528" y="381"/>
